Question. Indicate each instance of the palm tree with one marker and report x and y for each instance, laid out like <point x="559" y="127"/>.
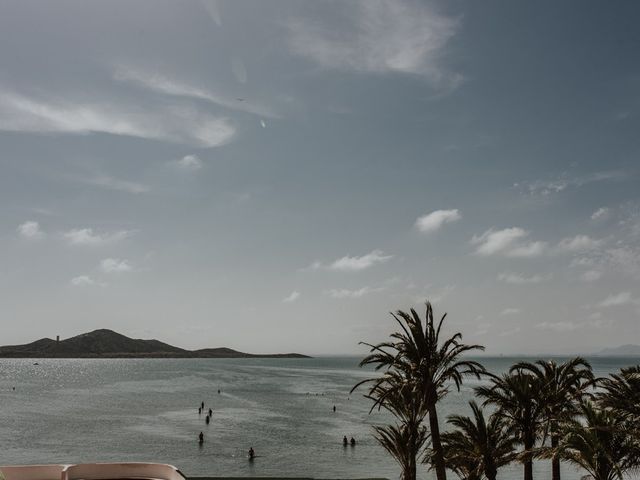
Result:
<point x="477" y="447"/>
<point x="407" y="437"/>
<point x="562" y="389"/>
<point x="403" y="442"/>
<point x="517" y="397"/>
<point x="427" y="364"/>
<point x="621" y="394"/>
<point x="599" y="444"/>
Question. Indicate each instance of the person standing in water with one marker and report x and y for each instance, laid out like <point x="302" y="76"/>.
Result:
<point x="252" y="453"/>
<point x="201" y="438"/>
<point x="345" y="441"/>
<point x="353" y="442"/>
<point x="334" y="408"/>
<point x="210" y="412"/>
<point x="206" y="419"/>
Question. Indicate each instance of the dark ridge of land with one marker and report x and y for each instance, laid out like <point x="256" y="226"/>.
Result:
<point x="621" y="351"/>
<point x="105" y="343"/>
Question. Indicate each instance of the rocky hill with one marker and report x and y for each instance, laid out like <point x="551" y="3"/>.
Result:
<point x="105" y="343"/>
<point x="621" y="351"/>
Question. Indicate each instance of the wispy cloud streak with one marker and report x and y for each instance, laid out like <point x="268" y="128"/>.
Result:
<point x="19" y="113"/>
<point x="380" y="36"/>
<point x="354" y="264"/>
<point x="169" y="86"/>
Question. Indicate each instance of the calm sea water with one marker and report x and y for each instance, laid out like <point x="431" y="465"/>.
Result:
<point x="68" y="411"/>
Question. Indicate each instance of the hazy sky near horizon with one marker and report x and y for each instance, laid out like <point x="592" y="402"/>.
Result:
<point x="279" y="175"/>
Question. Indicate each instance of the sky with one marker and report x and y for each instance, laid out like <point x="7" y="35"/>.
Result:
<point x="278" y="176"/>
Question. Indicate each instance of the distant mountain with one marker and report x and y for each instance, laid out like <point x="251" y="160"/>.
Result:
<point x="621" y="351"/>
<point x="105" y="343"/>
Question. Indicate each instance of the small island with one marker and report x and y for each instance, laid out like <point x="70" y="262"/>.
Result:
<point x="104" y="343"/>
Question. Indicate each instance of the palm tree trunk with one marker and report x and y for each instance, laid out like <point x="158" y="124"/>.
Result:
<point x="410" y="472"/>
<point x="491" y="472"/>
<point x="438" y="455"/>
<point x="555" y="461"/>
<point x="413" y="467"/>
<point x="528" y="463"/>
<point x="528" y="470"/>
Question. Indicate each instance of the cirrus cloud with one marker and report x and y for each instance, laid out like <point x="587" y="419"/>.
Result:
<point x="168" y="123"/>
<point x="380" y="37"/>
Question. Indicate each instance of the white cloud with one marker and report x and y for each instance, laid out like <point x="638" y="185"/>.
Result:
<point x="508" y="242"/>
<point x="625" y="258"/>
<point x="82" y="281"/>
<point x="558" y="326"/>
<point x="379" y="37"/>
<point x="493" y="242"/>
<point x="165" y="85"/>
<point x="579" y="243"/>
<point x="114" y="265"/>
<point x="292" y="297"/>
<point x="519" y="279"/>
<point x="545" y="188"/>
<point x="189" y="162"/>
<point x="346" y="293"/>
<point x="174" y="124"/>
<point x="105" y="181"/>
<point x="435" y="220"/>
<point x="86" y="236"/>
<point x="600" y="213"/>
<point x="510" y="311"/>
<point x="583" y="262"/>
<point x="591" y="276"/>
<point x="354" y="264"/>
<point x="31" y="230"/>
<point x="527" y="250"/>
<point x="615" y="300"/>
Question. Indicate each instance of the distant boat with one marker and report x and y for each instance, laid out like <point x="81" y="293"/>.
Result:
<point x="36" y="363"/>
<point x="92" y="471"/>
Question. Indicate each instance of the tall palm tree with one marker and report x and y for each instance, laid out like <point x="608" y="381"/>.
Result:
<point x="516" y="396"/>
<point x="430" y="366"/>
<point x="599" y="444"/>
<point x="562" y="389"/>
<point x="404" y="440"/>
<point x="477" y="447"/>
<point x="621" y="394"/>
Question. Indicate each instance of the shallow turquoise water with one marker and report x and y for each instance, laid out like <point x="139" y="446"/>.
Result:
<point x="68" y="411"/>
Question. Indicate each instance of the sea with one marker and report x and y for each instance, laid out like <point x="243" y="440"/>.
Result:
<point x="146" y="410"/>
